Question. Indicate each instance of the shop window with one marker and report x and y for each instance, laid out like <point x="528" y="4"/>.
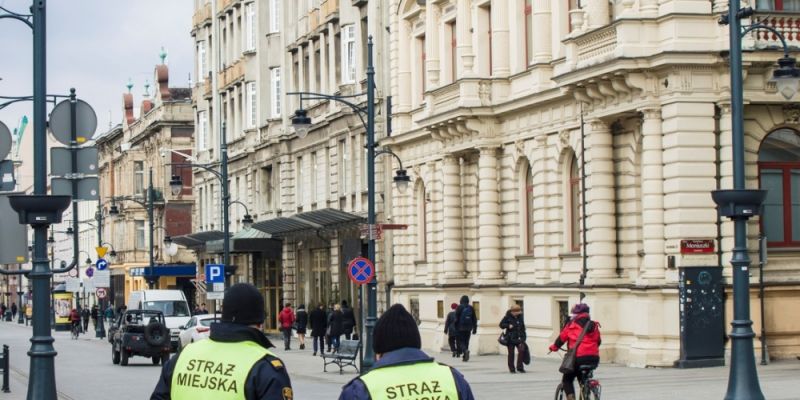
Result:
<point x="440" y="309"/>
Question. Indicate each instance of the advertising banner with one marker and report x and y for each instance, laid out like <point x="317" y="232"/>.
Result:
<point x="63" y="304"/>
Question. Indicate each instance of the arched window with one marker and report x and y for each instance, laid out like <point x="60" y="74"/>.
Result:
<point x="422" y="222"/>
<point x="779" y="174"/>
<point x="528" y="208"/>
<point x="574" y="205"/>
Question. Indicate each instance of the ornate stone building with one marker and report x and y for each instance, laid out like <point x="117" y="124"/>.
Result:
<point x="558" y="150"/>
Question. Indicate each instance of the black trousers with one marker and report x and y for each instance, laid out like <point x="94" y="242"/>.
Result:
<point x="319" y="340"/>
<point x="463" y="341"/>
<point x="568" y="379"/>
<point x="452" y="340"/>
<point x="520" y="348"/>
<point x="287" y="337"/>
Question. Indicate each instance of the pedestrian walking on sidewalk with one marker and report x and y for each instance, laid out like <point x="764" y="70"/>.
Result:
<point x="109" y="314"/>
<point x="234" y="363"/>
<point x="335" y="327"/>
<point x="515" y="337"/>
<point x="467" y="325"/>
<point x="451" y="331"/>
<point x="286" y="319"/>
<point x="95" y="314"/>
<point x="402" y="369"/>
<point x="14" y="310"/>
<point x="318" y="321"/>
<point x="85" y="318"/>
<point x="348" y="320"/>
<point x="300" y="323"/>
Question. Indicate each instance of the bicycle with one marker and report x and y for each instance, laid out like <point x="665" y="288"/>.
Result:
<point x="589" y="388"/>
<point x="75" y="331"/>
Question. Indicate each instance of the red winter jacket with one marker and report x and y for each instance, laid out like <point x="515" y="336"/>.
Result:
<point x="590" y="345"/>
<point x="286" y="318"/>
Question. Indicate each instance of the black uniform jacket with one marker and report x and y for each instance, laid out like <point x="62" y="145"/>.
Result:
<point x="268" y="379"/>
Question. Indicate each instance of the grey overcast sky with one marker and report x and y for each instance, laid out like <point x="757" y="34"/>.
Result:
<point x="95" y="46"/>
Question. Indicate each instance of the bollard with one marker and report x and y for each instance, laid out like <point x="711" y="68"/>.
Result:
<point x="5" y="365"/>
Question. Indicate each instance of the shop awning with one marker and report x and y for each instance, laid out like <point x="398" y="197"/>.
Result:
<point x="249" y="241"/>
<point x="327" y="218"/>
<point x="197" y="240"/>
<point x="165" y="270"/>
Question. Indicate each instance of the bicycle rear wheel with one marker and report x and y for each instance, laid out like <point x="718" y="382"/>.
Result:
<point x="560" y="395"/>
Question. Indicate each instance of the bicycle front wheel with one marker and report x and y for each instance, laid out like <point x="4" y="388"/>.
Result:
<point x="560" y="395"/>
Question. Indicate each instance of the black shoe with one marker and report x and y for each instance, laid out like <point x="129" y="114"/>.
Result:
<point x="302" y="347"/>
<point x="315" y="353"/>
<point x="466" y="356"/>
<point x="454" y="354"/>
<point x="521" y="370"/>
<point x="511" y="370"/>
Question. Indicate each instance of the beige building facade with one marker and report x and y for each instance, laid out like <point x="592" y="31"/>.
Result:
<point x="557" y="150"/>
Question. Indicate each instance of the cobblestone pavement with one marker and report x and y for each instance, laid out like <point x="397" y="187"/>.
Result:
<point x="84" y="371"/>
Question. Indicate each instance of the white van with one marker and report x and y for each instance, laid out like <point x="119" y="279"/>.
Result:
<point x="170" y="302"/>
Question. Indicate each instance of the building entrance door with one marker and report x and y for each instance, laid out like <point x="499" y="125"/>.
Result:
<point x="268" y="278"/>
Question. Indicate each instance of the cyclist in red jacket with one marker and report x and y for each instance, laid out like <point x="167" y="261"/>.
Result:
<point x="588" y="352"/>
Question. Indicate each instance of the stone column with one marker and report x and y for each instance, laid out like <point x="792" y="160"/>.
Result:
<point x="464" y="46"/>
<point x="432" y="48"/>
<point x="601" y="225"/>
<point x="312" y="68"/>
<point x="542" y="25"/>
<point x="453" y="240"/>
<point x="404" y="56"/>
<point x="489" y="270"/>
<point x="501" y="66"/>
<point x="652" y="174"/>
<point x="598" y="13"/>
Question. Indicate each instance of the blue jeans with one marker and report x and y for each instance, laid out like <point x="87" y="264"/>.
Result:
<point x="335" y="342"/>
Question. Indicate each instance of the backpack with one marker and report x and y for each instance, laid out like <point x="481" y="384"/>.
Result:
<point x="466" y="321"/>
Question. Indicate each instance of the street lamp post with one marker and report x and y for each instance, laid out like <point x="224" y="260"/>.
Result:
<point x="740" y="204"/>
<point x="147" y="204"/>
<point x="302" y="123"/>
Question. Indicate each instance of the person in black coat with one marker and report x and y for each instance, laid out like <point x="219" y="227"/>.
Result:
<point x="467" y="325"/>
<point x="318" y="321"/>
<point x="301" y="321"/>
<point x="336" y="325"/>
<point x="451" y="331"/>
<point x="514" y="325"/>
<point x="348" y="320"/>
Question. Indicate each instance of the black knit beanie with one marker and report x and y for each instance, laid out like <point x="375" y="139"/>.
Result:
<point x="243" y="304"/>
<point x="394" y="330"/>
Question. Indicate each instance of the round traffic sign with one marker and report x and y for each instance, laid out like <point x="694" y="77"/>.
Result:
<point x="361" y="270"/>
<point x="5" y="141"/>
<point x="101" y="264"/>
<point x="89" y="272"/>
<point x="101" y="293"/>
<point x="73" y="273"/>
<point x="85" y="122"/>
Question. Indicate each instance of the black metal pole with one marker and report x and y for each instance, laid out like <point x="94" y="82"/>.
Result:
<point x="372" y="287"/>
<point x="762" y="255"/>
<point x="743" y="379"/>
<point x="99" y="328"/>
<point x="21" y="318"/>
<point x="226" y="198"/>
<point x="151" y="280"/>
<point x="73" y="149"/>
<point x="42" y="382"/>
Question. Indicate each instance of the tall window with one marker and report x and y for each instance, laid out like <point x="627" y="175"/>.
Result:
<point x="342" y="161"/>
<point x="138" y="177"/>
<point x="529" y="208"/>
<point x="252" y="105"/>
<point x="202" y="62"/>
<point x="274" y="16"/>
<point x="139" y="234"/>
<point x="202" y="130"/>
<point x="571" y="5"/>
<point x="299" y="181"/>
<point x="250" y="27"/>
<point x="529" y="31"/>
<point x="423" y="76"/>
<point x="452" y="32"/>
<point x="779" y="173"/>
<point x="313" y="172"/>
<point x="276" y="92"/>
<point x="349" y="54"/>
<point x="422" y="222"/>
<point x="267" y="191"/>
<point x="575" y="205"/>
<point x="778" y="5"/>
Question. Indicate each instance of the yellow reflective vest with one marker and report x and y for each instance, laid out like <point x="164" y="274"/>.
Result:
<point x="419" y="381"/>
<point x="209" y="370"/>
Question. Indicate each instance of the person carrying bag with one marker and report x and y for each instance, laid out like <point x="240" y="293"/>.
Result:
<point x="514" y="338"/>
<point x="582" y="336"/>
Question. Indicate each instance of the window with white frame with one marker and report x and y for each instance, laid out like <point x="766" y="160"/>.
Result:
<point x="202" y="130"/>
<point x="349" y="54"/>
<point x="202" y="62"/>
<point x="250" y="26"/>
<point x="139" y="234"/>
<point x="313" y="172"/>
<point x="274" y="15"/>
<point x="252" y="103"/>
<point x="275" y="99"/>
<point x="341" y="161"/>
<point x="138" y="177"/>
<point x="299" y="182"/>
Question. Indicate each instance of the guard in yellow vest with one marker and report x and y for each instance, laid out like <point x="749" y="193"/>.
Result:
<point x="234" y="363"/>
<point x="403" y="371"/>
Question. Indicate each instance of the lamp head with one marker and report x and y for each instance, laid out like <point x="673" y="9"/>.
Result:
<point x="247" y="221"/>
<point x="176" y="185"/>
<point x="112" y="255"/>
<point x="69" y="231"/>
<point x="787" y="77"/>
<point x="301" y="123"/>
<point x="167" y="240"/>
<point x="88" y="261"/>
<point x="113" y="211"/>
<point x="402" y="180"/>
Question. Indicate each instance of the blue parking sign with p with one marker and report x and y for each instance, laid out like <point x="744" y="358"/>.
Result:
<point x="215" y="273"/>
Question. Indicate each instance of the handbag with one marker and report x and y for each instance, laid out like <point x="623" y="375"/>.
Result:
<point x="568" y="363"/>
<point x="526" y="356"/>
<point x="503" y="339"/>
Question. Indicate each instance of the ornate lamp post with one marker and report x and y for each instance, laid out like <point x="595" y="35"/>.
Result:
<point x="740" y="204"/>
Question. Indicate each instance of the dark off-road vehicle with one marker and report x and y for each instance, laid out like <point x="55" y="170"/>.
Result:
<point x="139" y="333"/>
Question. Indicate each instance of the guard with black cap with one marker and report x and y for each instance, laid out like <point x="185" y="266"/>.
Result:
<point x="234" y="363"/>
<point x="403" y="371"/>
